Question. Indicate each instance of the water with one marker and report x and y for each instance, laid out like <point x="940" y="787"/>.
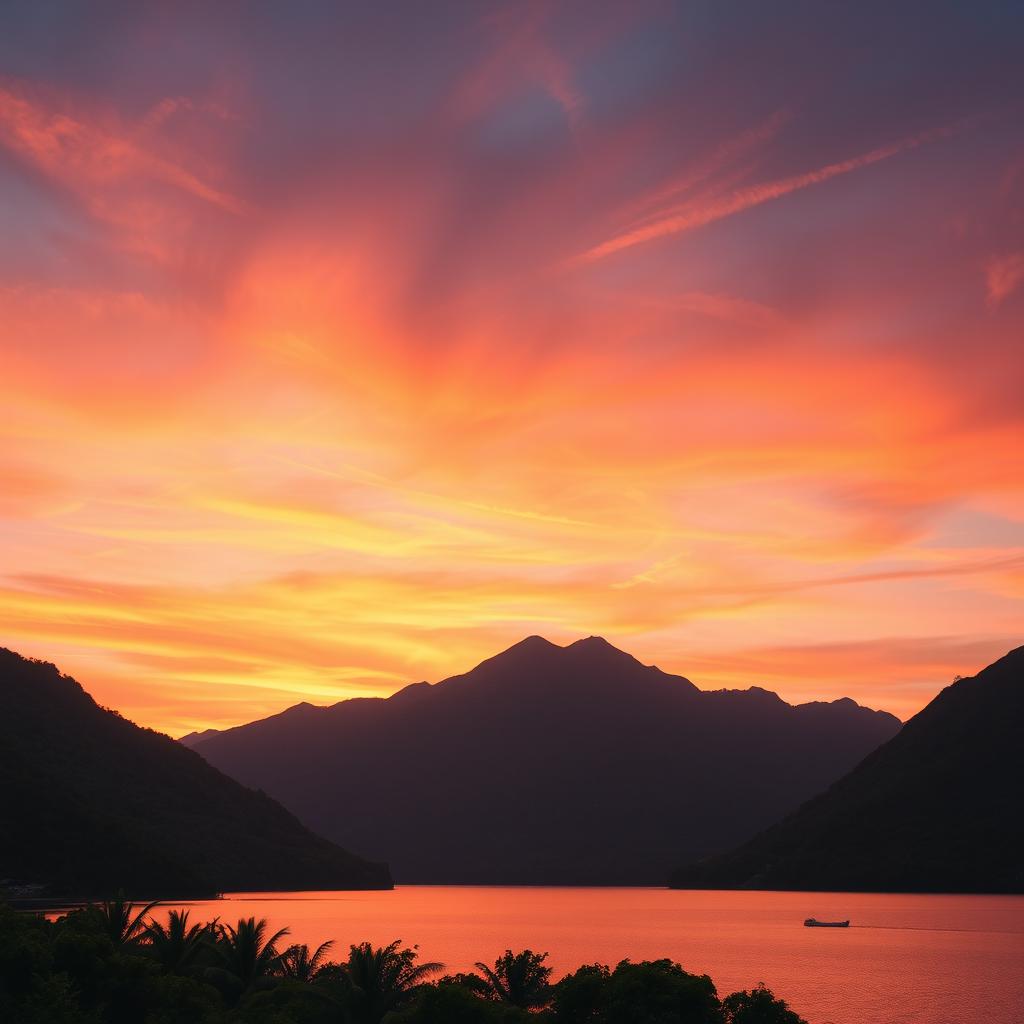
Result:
<point x="904" y="959"/>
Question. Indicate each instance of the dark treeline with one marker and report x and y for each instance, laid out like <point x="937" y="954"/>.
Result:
<point x="116" y="963"/>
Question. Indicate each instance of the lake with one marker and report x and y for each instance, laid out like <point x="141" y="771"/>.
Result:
<point x="905" y="959"/>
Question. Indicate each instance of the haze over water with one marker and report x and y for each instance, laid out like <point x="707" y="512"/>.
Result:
<point x="906" y="959"/>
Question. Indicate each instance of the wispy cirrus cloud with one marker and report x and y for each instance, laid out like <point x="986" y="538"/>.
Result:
<point x="84" y="155"/>
<point x="730" y="157"/>
<point x="704" y="210"/>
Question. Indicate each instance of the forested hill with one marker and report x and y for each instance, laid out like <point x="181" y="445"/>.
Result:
<point x="936" y="809"/>
<point x="92" y="804"/>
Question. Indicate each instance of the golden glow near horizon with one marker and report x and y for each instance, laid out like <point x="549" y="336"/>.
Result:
<point x="317" y="382"/>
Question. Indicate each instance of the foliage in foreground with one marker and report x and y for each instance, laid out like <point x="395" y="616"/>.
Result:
<point x="117" y="964"/>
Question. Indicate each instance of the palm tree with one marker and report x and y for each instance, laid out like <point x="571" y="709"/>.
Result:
<point x="119" y="924"/>
<point x="249" y="958"/>
<point x="385" y="978"/>
<point x="520" y="979"/>
<point x="176" y="945"/>
<point x="299" y="964"/>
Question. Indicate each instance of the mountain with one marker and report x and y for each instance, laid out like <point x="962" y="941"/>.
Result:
<point x="936" y="809"/>
<point x="92" y="803"/>
<point x="193" y="738"/>
<point x="546" y="764"/>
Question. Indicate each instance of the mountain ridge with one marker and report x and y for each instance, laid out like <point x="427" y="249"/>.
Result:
<point x="607" y="769"/>
<point x="193" y="739"/>
<point x="934" y="809"/>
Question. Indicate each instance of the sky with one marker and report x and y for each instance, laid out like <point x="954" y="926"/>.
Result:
<point x="344" y="345"/>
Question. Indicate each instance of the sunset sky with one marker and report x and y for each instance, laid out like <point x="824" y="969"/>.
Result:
<point x="343" y="346"/>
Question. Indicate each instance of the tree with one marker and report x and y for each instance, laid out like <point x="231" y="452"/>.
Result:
<point x="519" y="979"/>
<point x="650" y="992"/>
<point x="451" y="1001"/>
<point x="70" y="971"/>
<point x="177" y="945"/>
<point x="383" y="979"/>
<point x="118" y="922"/>
<point x="579" y="997"/>
<point x="249" y="958"/>
<point x="298" y="964"/>
<point x="758" y="1007"/>
<point x="659" y="990"/>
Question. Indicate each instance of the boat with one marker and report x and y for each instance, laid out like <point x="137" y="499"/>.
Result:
<point x="813" y="922"/>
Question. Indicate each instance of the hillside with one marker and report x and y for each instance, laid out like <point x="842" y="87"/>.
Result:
<point x="92" y="804"/>
<point x="546" y="764"/>
<point x="936" y="809"/>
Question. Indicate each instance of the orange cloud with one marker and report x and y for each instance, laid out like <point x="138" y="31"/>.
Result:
<point x="360" y="428"/>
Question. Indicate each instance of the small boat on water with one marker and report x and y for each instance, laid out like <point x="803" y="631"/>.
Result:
<point x="813" y="922"/>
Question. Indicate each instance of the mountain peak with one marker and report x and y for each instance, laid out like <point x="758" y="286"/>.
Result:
<point x="527" y="651"/>
<point x="597" y="654"/>
<point x="534" y="642"/>
<point x="594" y="643"/>
<point x="536" y="645"/>
<point x="192" y="738"/>
<point x="536" y="651"/>
<point x="765" y="696"/>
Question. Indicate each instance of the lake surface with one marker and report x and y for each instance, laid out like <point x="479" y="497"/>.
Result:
<point x="904" y="960"/>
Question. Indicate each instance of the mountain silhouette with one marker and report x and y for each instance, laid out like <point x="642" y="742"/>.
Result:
<point x="547" y="764"/>
<point x="90" y="804"/>
<point x="936" y="809"/>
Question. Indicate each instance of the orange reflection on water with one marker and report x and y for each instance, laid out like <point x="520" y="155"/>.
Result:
<point x="906" y="959"/>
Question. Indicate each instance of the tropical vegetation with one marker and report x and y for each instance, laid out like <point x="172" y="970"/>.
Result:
<point x="119" y="963"/>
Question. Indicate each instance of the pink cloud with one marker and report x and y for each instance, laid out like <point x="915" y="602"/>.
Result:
<point x="1003" y="276"/>
<point x="82" y="155"/>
